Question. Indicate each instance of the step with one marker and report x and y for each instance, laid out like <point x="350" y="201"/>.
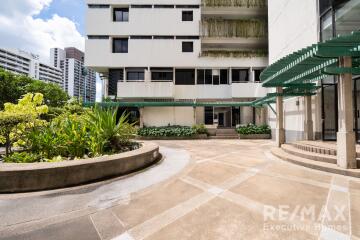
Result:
<point x="224" y="137"/>
<point x="314" y="148"/>
<point x="322" y="166"/>
<point x="226" y="131"/>
<point x="291" y="149"/>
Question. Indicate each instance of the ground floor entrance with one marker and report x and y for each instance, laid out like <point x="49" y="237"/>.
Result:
<point x="229" y="117"/>
<point x="330" y="108"/>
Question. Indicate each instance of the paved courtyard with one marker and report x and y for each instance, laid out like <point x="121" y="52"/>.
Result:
<point x="203" y="189"/>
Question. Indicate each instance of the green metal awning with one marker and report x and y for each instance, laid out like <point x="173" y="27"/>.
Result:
<point x="168" y="104"/>
<point x="313" y="63"/>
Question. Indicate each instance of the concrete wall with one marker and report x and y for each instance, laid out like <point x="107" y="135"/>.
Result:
<point x="163" y="116"/>
<point x="293" y="25"/>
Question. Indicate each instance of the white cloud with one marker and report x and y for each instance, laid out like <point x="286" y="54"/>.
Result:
<point x="20" y="28"/>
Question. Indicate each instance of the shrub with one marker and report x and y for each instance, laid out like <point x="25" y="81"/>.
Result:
<point x="23" y="157"/>
<point x="253" y="129"/>
<point x="200" y="129"/>
<point x="168" y="131"/>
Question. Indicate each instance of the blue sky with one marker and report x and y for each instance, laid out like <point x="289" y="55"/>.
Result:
<point x="71" y="9"/>
<point x="37" y="25"/>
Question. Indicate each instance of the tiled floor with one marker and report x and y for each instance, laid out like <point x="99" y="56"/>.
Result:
<point x="229" y="189"/>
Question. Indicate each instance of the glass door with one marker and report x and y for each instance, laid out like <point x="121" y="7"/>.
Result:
<point x="329" y="112"/>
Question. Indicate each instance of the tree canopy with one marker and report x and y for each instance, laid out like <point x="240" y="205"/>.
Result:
<point x="14" y="86"/>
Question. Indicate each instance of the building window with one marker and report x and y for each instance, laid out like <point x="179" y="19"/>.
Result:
<point x="187" y="46"/>
<point x="120" y="45"/>
<point x="115" y="76"/>
<point x="240" y="75"/>
<point x="135" y="75"/>
<point x="185" y="77"/>
<point x="209" y="115"/>
<point x="187" y="16"/>
<point x="121" y="15"/>
<point x="257" y="73"/>
<point x="224" y="79"/>
<point x="162" y="74"/>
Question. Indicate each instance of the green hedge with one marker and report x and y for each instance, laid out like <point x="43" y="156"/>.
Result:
<point x="168" y="131"/>
<point x="253" y="129"/>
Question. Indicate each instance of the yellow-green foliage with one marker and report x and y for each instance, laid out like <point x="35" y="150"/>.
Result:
<point x="235" y="3"/>
<point x="18" y="118"/>
<point x="235" y="53"/>
<point x="234" y="28"/>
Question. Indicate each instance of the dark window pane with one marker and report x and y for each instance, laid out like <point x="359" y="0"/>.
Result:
<point x="162" y="76"/>
<point x="216" y="80"/>
<point x="240" y="75"/>
<point x="187" y="46"/>
<point x="200" y="76"/>
<point x="209" y="115"/>
<point x="120" y="45"/>
<point x="115" y="76"/>
<point x="187" y="16"/>
<point x="135" y="76"/>
<point x="121" y="15"/>
<point x="185" y="77"/>
<point x="224" y="76"/>
<point x="257" y="73"/>
<point x="208" y="76"/>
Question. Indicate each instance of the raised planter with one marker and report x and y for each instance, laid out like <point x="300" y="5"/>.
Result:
<point x="255" y="136"/>
<point x="198" y="136"/>
<point x="24" y="177"/>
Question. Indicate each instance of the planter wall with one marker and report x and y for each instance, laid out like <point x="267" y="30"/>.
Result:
<point x="255" y="136"/>
<point x="199" y="136"/>
<point x="21" y="177"/>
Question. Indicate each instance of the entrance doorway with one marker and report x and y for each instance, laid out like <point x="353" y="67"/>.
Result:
<point x="329" y="110"/>
<point x="222" y="117"/>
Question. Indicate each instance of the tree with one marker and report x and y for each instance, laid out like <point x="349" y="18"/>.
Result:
<point x="12" y="87"/>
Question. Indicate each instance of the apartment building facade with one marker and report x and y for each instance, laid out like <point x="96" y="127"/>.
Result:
<point x="183" y="62"/>
<point x="317" y="21"/>
<point x="28" y="64"/>
<point x="79" y="81"/>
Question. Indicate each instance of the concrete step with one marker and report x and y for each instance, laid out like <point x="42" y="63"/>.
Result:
<point x="319" y="147"/>
<point x="291" y="149"/>
<point x="224" y="137"/>
<point x="323" y="166"/>
<point x="226" y="131"/>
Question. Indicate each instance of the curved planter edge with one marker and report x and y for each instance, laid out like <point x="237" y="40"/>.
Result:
<point x="45" y="176"/>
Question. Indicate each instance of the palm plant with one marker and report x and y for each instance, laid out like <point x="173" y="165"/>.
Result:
<point x="108" y="133"/>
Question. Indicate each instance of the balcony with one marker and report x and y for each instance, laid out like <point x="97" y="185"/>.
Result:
<point x="248" y="90"/>
<point x="145" y="89"/>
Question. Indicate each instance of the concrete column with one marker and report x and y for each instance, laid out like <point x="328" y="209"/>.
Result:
<point x="194" y="109"/>
<point x="308" y="123"/>
<point x="260" y="116"/>
<point x="346" y="151"/>
<point x="280" y="131"/>
<point x="141" y="111"/>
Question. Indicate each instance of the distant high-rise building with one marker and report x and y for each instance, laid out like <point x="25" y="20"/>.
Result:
<point x="22" y="62"/>
<point x="78" y="81"/>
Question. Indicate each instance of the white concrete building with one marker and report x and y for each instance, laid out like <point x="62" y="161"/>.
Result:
<point x="164" y="52"/>
<point x="29" y="64"/>
<point x="78" y="80"/>
<point x="291" y="30"/>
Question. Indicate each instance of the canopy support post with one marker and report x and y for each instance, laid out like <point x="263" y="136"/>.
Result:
<point x="280" y="131"/>
<point x="308" y="123"/>
<point x="346" y="150"/>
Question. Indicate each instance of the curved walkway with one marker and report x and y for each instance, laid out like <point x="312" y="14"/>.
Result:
<point x="204" y="189"/>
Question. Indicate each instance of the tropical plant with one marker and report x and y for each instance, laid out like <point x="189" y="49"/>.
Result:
<point x="235" y="3"/>
<point x="106" y="131"/>
<point x="23" y="157"/>
<point x="54" y="95"/>
<point x="253" y="129"/>
<point x="235" y="53"/>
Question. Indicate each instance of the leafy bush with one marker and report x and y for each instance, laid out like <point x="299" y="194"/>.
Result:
<point x="200" y="129"/>
<point x="168" y="131"/>
<point x="23" y="157"/>
<point x="253" y="129"/>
